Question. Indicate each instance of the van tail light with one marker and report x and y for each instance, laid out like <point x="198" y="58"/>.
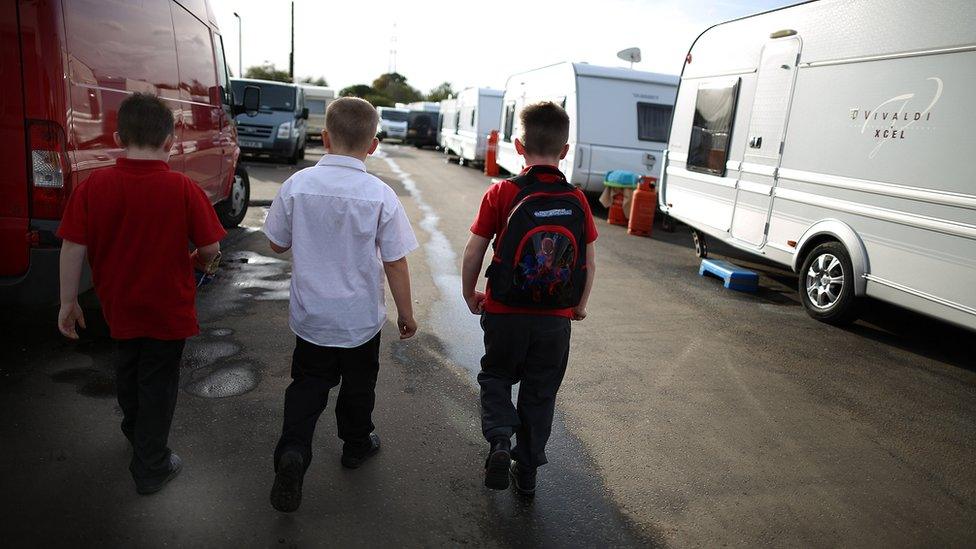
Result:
<point x="50" y="170"/>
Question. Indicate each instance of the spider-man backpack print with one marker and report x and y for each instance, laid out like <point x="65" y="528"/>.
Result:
<point x="540" y="256"/>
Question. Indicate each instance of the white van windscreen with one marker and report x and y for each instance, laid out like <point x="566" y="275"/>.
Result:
<point x="653" y="122"/>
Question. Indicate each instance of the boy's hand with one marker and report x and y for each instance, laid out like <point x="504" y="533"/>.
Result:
<point x="579" y="312"/>
<point x="70" y="314"/>
<point x="476" y="302"/>
<point x="407" y="327"/>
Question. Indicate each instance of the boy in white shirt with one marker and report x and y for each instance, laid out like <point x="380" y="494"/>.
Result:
<point x="345" y="228"/>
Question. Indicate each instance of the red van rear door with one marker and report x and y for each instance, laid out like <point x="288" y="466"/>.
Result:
<point x="13" y="152"/>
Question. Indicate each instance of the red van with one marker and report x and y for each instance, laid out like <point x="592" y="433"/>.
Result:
<point x="65" y="66"/>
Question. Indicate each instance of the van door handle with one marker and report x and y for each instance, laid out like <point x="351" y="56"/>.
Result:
<point x="756" y="142"/>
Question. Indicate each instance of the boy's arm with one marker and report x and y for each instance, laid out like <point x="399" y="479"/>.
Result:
<point x="278" y="249"/>
<point x="474" y="256"/>
<point x="579" y="312"/>
<point x="398" y="275"/>
<point x="203" y="255"/>
<point x="72" y="260"/>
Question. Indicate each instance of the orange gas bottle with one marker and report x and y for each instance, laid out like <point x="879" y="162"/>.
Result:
<point x="491" y="155"/>
<point x="642" y="207"/>
<point x="616" y="215"/>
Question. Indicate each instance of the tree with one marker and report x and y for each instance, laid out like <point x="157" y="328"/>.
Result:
<point x="441" y="92"/>
<point x="320" y="81"/>
<point x="394" y="85"/>
<point x="267" y="71"/>
<point x="359" y="90"/>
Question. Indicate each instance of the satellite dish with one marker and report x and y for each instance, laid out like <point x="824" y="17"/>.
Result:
<point x="630" y="54"/>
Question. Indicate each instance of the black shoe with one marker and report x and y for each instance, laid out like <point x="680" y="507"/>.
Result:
<point x="353" y="461"/>
<point x="151" y="487"/>
<point x="286" y="494"/>
<point x="496" y="466"/>
<point x="523" y="479"/>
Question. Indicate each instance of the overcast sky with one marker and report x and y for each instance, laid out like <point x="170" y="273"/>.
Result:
<point x="464" y="42"/>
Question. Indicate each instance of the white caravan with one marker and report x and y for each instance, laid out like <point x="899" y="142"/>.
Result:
<point x="393" y="123"/>
<point x="317" y="99"/>
<point x="477" y="111"/>
<point x="448" y="123"/>
<point x="835" y="138"/>
<point x="618" y="118"/>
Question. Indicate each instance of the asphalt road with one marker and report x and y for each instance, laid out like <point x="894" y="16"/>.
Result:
<point x="690" y="416"/>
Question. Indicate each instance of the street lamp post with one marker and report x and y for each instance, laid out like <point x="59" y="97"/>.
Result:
<point x="291" y="55"/>
<point x="240" y="46"/>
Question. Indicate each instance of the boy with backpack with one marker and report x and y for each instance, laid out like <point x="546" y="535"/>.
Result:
<point x="133" y="221"/>
<point x="539" y="279"/>
<point x="345" y="228"/>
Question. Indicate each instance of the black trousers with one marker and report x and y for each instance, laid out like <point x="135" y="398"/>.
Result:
<point x="532" y="350"/>
<point x="147" y="382"/>
<point x="314" y="371"/>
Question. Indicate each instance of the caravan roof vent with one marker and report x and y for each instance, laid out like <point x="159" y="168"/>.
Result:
<point x="783" y="33"/>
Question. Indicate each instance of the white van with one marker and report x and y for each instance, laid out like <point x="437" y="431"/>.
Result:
<point x="820" y="138"/>
<point x="393" y="123"/>
<point x="477" y="111"/>
<point x="317" y="99"/>
<point x="618" y="117"/>
<point x="448" y="123"/>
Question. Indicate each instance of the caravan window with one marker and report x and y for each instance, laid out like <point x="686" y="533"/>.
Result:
<point x="509" y="122"/>
<point x="653" y="122"/>
<point x="473" y="113"/>
<point x="711" y="130"/>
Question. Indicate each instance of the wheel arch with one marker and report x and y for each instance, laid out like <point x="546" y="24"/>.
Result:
<point x="836" y="230"/>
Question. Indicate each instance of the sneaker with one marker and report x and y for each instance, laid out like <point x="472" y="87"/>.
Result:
<point x="353" y="461"/>
<point x="523" y="479"/>
<point x="286" y="494"/>
<point x="496" y="466"/>
<point x="151" y="487"/>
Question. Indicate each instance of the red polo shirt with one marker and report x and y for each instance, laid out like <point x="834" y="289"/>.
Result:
<point x="137" y="219"/>
<point x="496" y="205"/>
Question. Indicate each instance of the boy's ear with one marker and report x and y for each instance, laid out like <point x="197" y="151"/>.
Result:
<point x="564" y="152"/>
<point x="326" y="142"/>
<point x="118" y="140"/>
<point x="168" y="144"/>
<point x="519" y="147"/>
<point x="373" y="145"/>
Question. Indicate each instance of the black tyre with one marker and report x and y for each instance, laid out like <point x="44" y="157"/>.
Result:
<point x="231" y="210"/>
<point x="826" y="284"/>
<point x="701" y="246"/>
<point x="293" y="159"/>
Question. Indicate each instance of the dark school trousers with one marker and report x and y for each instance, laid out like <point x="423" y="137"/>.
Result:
<point x="532" y="350"/>
<point x="314" y="371"/>
<point x="147" y="383"/>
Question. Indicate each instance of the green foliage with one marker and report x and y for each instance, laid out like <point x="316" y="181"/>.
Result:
<point x="359" y="90"/>
<point x="394" y="86"/>
<point x="320" y="81"/>
<point x="441" y="92"/>
<point x="267" y="71"/>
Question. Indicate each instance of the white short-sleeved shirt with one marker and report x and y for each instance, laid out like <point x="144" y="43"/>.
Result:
<point x="342" y="224"/>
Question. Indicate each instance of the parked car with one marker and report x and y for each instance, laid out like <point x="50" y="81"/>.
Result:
<point x="422" y="128"/>
<point x="477" y="111"/>
<point x="393" y="123"/>
<point x="846" y="160"/>
<point x="64" y="80"/>
<point x="278" y="129"/>
<point x="619" y="118"/>
<point x="317" y="99"/>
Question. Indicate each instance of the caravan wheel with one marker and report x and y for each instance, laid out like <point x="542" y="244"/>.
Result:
<point x="827" y="284"/>
<point x="701" y="248"/>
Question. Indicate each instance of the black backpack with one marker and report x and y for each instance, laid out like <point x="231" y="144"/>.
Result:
<point x="540" y="254"/>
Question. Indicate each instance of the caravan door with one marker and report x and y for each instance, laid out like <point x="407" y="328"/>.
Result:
<point x="764" y="146"/>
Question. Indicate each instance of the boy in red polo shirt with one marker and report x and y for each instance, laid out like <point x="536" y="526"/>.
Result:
<point x="539" y="279"/>
<point x="134" y="221"/>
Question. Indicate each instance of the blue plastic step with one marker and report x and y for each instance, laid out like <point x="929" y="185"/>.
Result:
<point x="733" y="276"/>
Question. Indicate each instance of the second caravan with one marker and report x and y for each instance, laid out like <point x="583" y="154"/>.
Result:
<point x="619" y="118"/>
<point x="476" y="113"/>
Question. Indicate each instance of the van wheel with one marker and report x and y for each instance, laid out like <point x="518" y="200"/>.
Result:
<point x="827" y="284"/>
<point x="301" y="153"/>
<point x="701" y="247"/>
<point x="231" y="210"/>
<point x="293" y="159"/>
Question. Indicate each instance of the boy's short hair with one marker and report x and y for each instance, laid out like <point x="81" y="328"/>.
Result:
<point x="351" y="123"/>
<point x="545" y="129"/>
<point x="144" y="121"/>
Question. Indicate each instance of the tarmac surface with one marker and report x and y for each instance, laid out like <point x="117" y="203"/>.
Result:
<point x="690" y="415"/>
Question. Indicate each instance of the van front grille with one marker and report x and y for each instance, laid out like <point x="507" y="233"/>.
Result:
<point x="254" y="130"/>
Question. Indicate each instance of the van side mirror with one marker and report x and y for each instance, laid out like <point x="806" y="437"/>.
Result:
<point x="250" y="102"/>
<point x="304" y="113"/>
